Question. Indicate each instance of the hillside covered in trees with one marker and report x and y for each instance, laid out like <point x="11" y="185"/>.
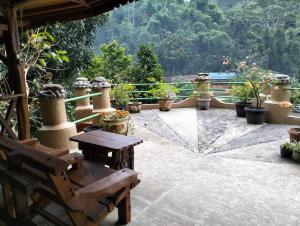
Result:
<point x="189" y="36"/>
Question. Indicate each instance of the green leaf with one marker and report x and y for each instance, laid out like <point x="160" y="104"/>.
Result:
<point x="42" y="62"/>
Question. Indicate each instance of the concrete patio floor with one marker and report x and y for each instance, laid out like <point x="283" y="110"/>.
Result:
<point x="211" y="168"/>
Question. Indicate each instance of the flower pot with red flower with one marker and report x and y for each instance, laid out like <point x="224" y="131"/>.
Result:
<point x="116" y="122"/>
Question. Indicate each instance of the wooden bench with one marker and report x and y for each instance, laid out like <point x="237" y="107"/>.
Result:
<point x="86" y="191"/>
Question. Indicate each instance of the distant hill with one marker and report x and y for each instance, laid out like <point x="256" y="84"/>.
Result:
<point x="190" y="36"/>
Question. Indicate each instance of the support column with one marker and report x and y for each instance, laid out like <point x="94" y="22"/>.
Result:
<point x="280" y="93"/>
<point x="101" y="104"/>
<point x="56" y="129"/>
<point x="83" y="106"/>
<point x="16" y="72"/>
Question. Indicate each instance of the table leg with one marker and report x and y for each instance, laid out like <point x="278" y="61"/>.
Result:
<point x="119" y="160"/>
<point x="130" y="156"/>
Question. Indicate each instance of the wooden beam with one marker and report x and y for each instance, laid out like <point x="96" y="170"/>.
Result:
<point x="74" y="14"/>
<point x="48" y="10"/>
<point x="16" y="72"/>
<point x="3" y="27"/>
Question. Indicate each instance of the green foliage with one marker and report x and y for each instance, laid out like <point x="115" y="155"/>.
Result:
<point x="268" y="30"/>
<point x="287" y="147"/>
<point x="120" y="94"/>
<point x="77" y="38"/>
<point x="164" y="91"/>
<point x="296" y="147"/>
<point x="295" y="99"/>
<point x="188" y="36"/>
<point x="254" y="76"/>
<point x="39" y="49"/>
<point x="113" y="63"/>
<point x="191" y="36"/>
<point x="148" y="63"/>
<point x="39" y="53"/>
<point x="55" y="54"/>
<point x="243" y="93"/>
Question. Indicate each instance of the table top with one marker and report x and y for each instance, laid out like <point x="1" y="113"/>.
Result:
<point x="107" y="140"/>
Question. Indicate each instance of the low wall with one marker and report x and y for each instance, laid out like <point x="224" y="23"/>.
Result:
<point x="192" y="102"/>
<point x="275" y="114"/>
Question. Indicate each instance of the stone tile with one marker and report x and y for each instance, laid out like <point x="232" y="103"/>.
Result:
<point x="265" y="152"/>
<point x="265" y="134"/>
<point x="162" y="217"/>
<point x="186" y="127"/>
<point x="150" y="120"/>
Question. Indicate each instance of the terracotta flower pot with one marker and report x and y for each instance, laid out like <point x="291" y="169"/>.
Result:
<point x="119" y="126"/>
<point x="135" y="107"/>
<point x="165" y="104"/>
<point x="294" y="134"/>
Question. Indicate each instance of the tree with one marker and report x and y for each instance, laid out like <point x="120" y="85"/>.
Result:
<point x="77" y="38"/>
<point x="148" y="63"/>
<point x="112" y="63"/>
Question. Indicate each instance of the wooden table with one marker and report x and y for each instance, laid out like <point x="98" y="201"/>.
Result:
<point x="114" y="150"/>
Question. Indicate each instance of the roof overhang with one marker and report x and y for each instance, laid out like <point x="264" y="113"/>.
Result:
<point x="35" y="13"/>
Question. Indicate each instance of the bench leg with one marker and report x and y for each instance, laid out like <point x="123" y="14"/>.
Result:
<point x="124" y="210"/>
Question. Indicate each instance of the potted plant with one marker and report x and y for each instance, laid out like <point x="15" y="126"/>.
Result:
<point x="296" y="151"/>
<point x="243" y="93"/>
<point x="120" y="95"/>
<point x="203" y="100"/>
<point x="115" y="122"/>
<point x="134" y="106"/>
<point x="165" y="94"/>
<point x="286" y="150"/>
<point x="255" y="114"/>
<point x="203" y="93"/>
<point x="294" y="134"/>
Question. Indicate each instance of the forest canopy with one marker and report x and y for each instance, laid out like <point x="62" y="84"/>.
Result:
<point x="190" y="36"/>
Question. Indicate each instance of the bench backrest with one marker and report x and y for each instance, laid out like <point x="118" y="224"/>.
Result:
<point x="19" y="153"/>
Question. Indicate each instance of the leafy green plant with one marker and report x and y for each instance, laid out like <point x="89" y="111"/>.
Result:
<point x="243" y="92"/>
<point x="296" y="147"/>
<point x="113" y="63"/>
<point x="287" y="147"/>
<point x="254" y="76"/>
<point x="120" y="94"/>
<point x="39" y="49"/>
<point x="164" y="91"/>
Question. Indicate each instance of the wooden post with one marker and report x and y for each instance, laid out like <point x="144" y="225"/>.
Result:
<point x="16" y="72"/>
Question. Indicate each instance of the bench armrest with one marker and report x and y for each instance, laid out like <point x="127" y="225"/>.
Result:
<point x="109" y="185"/>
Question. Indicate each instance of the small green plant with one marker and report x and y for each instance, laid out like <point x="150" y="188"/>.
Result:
<point x="204" y="95"/>
<point x="243" y="93"/>
<point x="120" y="93"/>
<point x="202" y="87"/>
<point x="164" y="91"/>
<point x="287" y="147"/>
<point x="296" y="147"/>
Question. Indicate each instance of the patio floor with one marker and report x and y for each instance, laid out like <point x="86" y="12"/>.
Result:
<point x="211" y="168"/>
